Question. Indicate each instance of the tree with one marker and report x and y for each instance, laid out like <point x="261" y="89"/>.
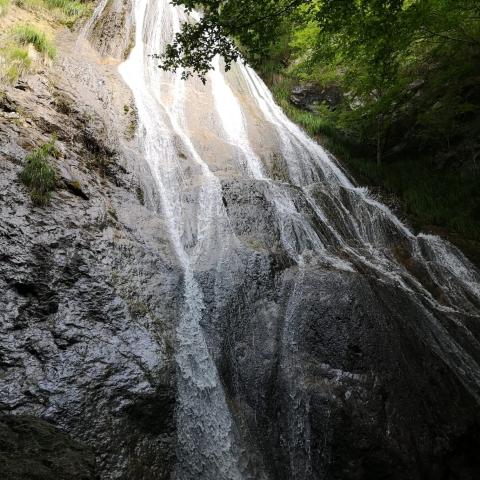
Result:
<point x="228" y="28"/>
<point x="375" y="48"/>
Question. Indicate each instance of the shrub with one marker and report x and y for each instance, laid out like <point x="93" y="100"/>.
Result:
<point x="64" y="11"/>
<point x="28" y="34"/>
<point x="38" y="175"/>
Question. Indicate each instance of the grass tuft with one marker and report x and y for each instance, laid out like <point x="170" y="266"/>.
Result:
<point x="64" y="11"/>
<point x="38" y="175"/>
<point x="15" y="58"/>
<point x="28" y="34"/>
<point x="71" y="8"/>
<point x="17" y="62"/>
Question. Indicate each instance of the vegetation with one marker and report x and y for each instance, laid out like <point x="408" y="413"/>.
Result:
<point x="18" y="62"/>
<point x="72" y="8"/>
<point x="409" y="119"/>
<point x="38" y="175"/>
<point x="67" y="11"/>
<point x="15" y="57"/>
<point x="430" y="195"/>
<point x="28" y="34"/>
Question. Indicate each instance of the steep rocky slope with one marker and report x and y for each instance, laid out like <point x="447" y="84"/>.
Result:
<point x="88" y="282"/>
<point x="328" y="374"/>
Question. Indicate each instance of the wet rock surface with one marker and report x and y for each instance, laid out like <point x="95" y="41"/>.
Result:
<point x="338" y="376"/>
<point x="33" y="449"/>
<point x="80" y="346"/>
<point x="112" y="34"/>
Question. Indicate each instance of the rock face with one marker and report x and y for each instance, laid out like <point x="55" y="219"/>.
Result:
<point x="309" y="96"/>
<point x="327" y="374"/>
<point x="33" y="449"/>
<point x="341" y="369"/>
<point x="79" y="346"/>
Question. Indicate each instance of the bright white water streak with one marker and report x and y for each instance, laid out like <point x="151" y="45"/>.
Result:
<point x="204" y="424"/>
<point x="354" y="228"/>
<point x="290" y="221"/>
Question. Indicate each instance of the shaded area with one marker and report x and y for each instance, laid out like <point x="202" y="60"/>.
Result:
<point x="31" y="449"/>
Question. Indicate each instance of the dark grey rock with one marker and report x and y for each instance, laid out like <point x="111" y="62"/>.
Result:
<point x="31" y="449"/>
<point x="79" y="346"/>
<point x="309" y="96"/>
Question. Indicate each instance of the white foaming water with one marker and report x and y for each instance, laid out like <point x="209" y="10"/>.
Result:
<point x="293" y="225"/>
<point x="233" y="120"/>
<point x="309" y="163"/>
<point x="204" y="424"/>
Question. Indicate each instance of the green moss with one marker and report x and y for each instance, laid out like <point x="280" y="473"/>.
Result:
<point x="28" y="34"/>
<point x="113" y="214"/>
<point x="38" y="175"/>
<point x="132" y="123"/>
<point x="138" y="309"/>
<point x="140" y="195"/>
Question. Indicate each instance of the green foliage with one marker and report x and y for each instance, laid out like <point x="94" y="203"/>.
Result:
<point x="71" y="8"/>
<point x="431" y="196"/>
<point x="38" y="175"/>
<point x="373" y="49"/>
<point x="28" y="34"/>
<point x="253" y="24"/>
<point x="313" y="124"/>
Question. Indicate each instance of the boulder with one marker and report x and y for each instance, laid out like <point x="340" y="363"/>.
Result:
<point x="309" y="96"/>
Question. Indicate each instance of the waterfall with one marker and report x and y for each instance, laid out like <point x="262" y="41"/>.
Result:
<point x="204" y="423"/>
<point x="192" y="136"/>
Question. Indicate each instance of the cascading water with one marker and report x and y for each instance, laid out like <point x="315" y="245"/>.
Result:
<point x="203" y="420"/>
<point x="192" y="136"/>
